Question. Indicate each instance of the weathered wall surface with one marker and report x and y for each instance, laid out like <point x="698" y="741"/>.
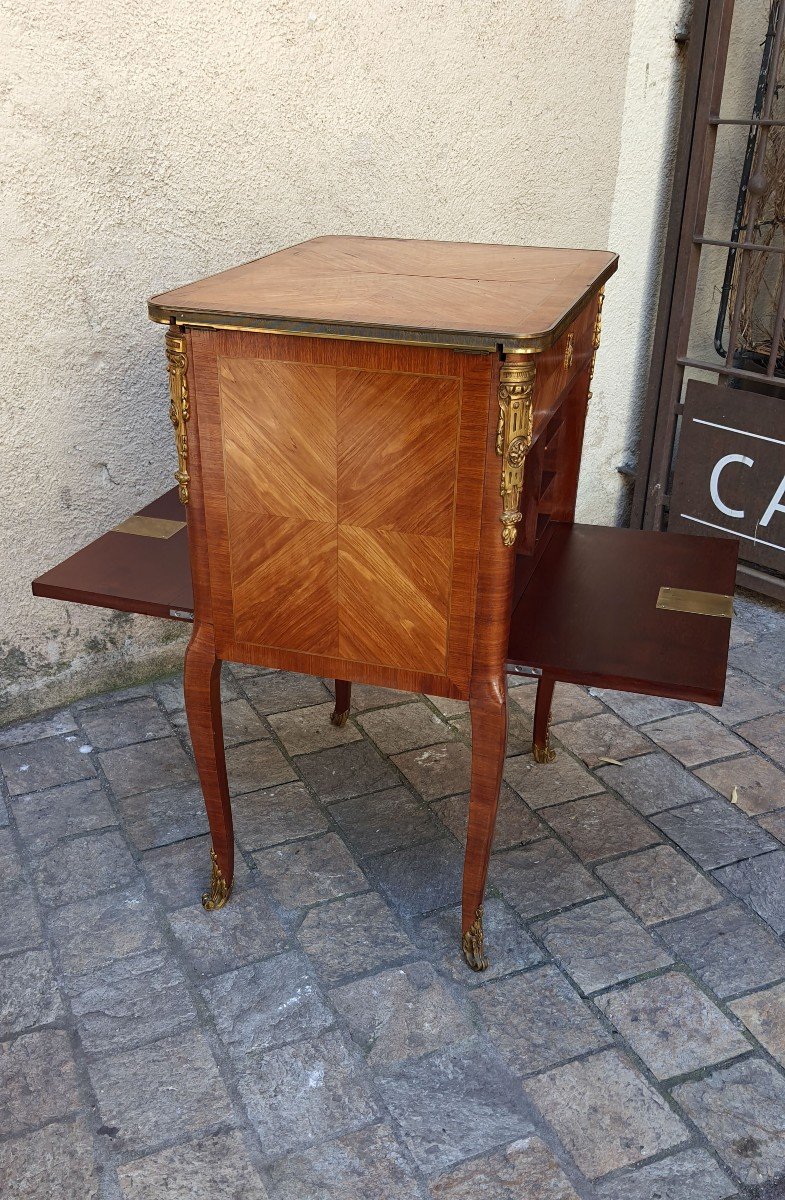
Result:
<point x="146" y="145"/>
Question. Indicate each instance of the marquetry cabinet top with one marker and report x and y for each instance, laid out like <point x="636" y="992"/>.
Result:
<point x="458" y="294"/>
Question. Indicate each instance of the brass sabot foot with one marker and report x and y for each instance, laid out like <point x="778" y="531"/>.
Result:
<point x="473" y="944"/>
<point x="544" y="754"/>
<point x="219" y="891"/>
<point x="339" y="718"/>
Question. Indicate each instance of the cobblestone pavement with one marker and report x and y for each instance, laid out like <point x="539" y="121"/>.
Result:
<point x="321" y="1037"/>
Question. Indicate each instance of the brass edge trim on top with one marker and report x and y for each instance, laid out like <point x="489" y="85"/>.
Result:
<point x="705" y="604"/>
<point x="348" y="331"/>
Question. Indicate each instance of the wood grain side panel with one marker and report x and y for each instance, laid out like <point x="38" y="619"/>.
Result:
<point x="282" y="597"/>
<point x="279" y="428"/>
<point x="394" y="597"/>
<point x="397" y="451"/>
<point x="244" y="630"/>
<point x="279" y="446"/>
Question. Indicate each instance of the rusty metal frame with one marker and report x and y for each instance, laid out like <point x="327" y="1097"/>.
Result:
<point x="700" y="120"/>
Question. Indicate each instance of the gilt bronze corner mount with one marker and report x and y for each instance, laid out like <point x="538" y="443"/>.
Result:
<point x="179" y="404"/>
<point x="514" y="436"/>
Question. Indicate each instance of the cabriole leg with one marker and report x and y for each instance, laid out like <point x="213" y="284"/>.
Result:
<point x="489" y="740"/>
<point x="343" y="702"/>
<point x="203" y="708"/>
<point x="541" y="746"/>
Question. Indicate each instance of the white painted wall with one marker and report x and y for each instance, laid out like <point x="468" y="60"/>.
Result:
<point x="146" y="145"/>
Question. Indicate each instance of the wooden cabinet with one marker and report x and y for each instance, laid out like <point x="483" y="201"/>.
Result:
<point x="379" y="445"/>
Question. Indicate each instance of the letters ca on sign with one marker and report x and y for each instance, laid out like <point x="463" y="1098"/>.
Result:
<point x="730" y="471"/>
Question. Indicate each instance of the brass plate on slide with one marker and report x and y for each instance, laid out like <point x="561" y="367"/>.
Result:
<point x="154" y="527"/>
<point x="706" y="604"/>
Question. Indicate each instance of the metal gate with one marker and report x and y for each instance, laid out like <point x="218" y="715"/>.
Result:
<point x="750" y="362"/>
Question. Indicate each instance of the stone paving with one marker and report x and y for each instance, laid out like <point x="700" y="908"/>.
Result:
<point x="321" y="1037"/>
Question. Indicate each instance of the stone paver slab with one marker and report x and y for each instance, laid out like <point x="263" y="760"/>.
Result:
<point x="282" y="691"/>
<point x="29" y="994"/>
<point x="90" y="934"/>
<point x="637" y="710"/>
<point x="306" y="872"/>
<point x="537" y="1020"/>
<point x="764" y="1015"/>
<point x="605" y="1113"/>
<point x="437" y="771"/>
<point x="215" y="1167"/>
<point x="695" y="738"/>
<point x="659" y="884"/>
<point x="600" y="826"/>
<point x="147" y="766"/>
<point x="138" y="999"/>
<point x="41" y="727"/>
<point x="516" y="824"/>
<point x="600" y="944"/>
<point x="768" y="734"/>
<point x="179" y="873"/>
<point x="38" y="1081"/>
<point x="276" y="814"/>
<point x="714" y="833"/>
<point x="741" y="1110"/>
<point x="684" y="1176"/>
<point x="255" y="765"/>
<point x="542" y="784"/>
<point x="365" y="1165"/>
<point x="543" y="877"/>
<point x="55" y="1162"/>
<point x="306" y="1092"/>
<point x="245" y="931"/>
<point x="728" y="948"/>
<point x="654" y="782"/>
<point x="168" y="1089"/>
<point x="42" y="818"/>
<point x="353" y="770"/>
<point x="266" y="1004"/>
<point x="83" y="866"/>
<point x="353" y="936"/>
<point x="306" y="730"/>
<point x="757" y="785"/>
<point x="760" y="883"/>
<point x="33" y="766"/>
<point x="419" y="879"/>
<point x="401" y="1013"/>
<point x="745" y="700"/>
<point x="241" y="723"/>
<point x="507" y="944"/>
<point x="113" y="725"/>
<point x="602" y="736"/>
<point x="455" y="1104"/>
<point x="163" y="816"/>
<point x="385" y="821"/>
<point x="405" y="727"/>
<point x="672" y="1025"/>
<point x="525" y="1168"/>
<point x="774" y="823"/>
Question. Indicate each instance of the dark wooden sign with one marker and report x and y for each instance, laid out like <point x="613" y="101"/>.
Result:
<point x="730" y="471"/>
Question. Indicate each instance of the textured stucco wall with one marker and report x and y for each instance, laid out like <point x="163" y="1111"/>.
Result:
<point x="149" y="144"/>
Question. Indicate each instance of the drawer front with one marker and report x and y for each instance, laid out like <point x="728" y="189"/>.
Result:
<point x="338" y="527"/>
<point x="559" y="366"/>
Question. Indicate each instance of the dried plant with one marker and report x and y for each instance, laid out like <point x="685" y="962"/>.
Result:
<point x="764" y="277"/>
